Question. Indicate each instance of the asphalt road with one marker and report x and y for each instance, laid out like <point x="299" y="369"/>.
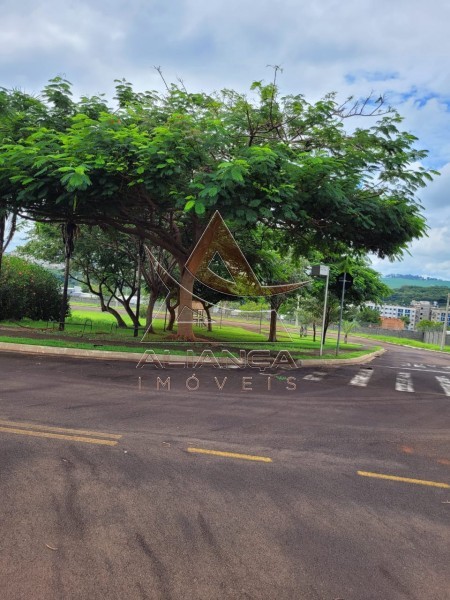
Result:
<point x="106" y="490"/>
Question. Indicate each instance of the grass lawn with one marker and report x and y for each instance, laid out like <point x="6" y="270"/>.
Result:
<point x="97" y="330"/>
<point x="88" y="304"/>
<point x="401" y="341"/>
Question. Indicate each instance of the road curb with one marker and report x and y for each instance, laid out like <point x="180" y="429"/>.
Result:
<point x="357" y="360"/>
<point x="136" y="357"/>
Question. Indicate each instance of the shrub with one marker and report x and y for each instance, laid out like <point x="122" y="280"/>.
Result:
<point x="427" y="325"/>
<point x="28" y="290"/>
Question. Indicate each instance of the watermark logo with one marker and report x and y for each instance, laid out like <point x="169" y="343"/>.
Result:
<point x="217" y="241"/>
<point x="217" y="244"/>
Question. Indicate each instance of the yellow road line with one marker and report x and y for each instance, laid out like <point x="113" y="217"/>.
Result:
<point x="58" y="436"/>
<point x="230" y="454"/>
<point x="404" y="479"/>
<point x="112" y="436"/>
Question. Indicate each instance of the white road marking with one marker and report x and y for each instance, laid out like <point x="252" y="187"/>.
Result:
<point x="404" y="383"/>
<point x="445" y="372"/>
<point x="422" y="366"/>
<point x="445" y="384"/>
<point x="316" y="376"/>
<point x="362" y="378"/>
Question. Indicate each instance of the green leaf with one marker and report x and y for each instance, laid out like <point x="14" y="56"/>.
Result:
<point x="199" y="208"/>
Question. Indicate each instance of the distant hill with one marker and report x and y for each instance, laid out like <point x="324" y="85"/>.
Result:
<point x="407" y="293"/>
<point x="397" y="281"/>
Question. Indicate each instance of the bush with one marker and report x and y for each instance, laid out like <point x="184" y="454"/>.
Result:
<point x="28" y="290"/>
<point x="427" y="325"/>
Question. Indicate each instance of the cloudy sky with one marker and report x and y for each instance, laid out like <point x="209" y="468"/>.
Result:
<point x="400" y="48"/>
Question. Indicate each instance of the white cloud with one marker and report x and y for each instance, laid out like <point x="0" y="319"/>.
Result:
<point x="352" y="47"/>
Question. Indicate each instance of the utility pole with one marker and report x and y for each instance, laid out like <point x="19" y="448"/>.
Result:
<point x="444" y="329"/>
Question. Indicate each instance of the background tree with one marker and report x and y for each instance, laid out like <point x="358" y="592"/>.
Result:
<point x="406" y="294"/>
<point x="348" y="327"/>
<point x="369" y="316"/>
<point x="367" y="286"/>
<point x="158" y="270"/>
<point x="104" y="260"/>
<point x="406" y="320"/>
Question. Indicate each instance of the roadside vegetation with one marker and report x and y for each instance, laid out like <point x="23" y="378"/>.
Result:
<point x="402" y="341"/>
<point x="95" y="330"/>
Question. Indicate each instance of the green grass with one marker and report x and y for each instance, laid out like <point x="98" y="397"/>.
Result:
<point x="90" y="304"/>
<point x="102" y="337"/>
<point x="401" y="341"/>
<point x="140" y="348"/>
<point x="94" y="322"/>
<point x="69" y="344"/>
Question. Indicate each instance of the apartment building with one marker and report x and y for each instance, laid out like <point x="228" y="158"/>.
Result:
<point x="394" y="311"/>
<point x="438" y="314"/>
<point x="423" y="310"/>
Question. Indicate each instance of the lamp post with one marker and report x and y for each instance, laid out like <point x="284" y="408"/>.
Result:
<point x="444" y="329"/>
<point x="322" y="271"/>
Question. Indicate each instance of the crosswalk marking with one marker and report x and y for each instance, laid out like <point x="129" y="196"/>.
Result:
<point x="403" y="382"/>
<point x="316" y="376"/>
<point x="445" y="384"/>
<point x="362" y="378"/>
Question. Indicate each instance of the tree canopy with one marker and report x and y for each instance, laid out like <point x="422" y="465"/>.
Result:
<point x="159" y="164"/>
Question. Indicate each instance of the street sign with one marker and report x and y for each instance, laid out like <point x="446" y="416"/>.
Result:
<point x="320" y="270"/>
<point x="348" y="280"/>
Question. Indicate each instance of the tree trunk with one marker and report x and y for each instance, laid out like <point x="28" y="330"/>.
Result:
<point x="273" y="326"/>
<point x="120" y="322"/>
<point x="6" y="239"/>
<point x="185" y="315"/>
<point x="130" y="312"/>
<point x="208" y="316"/>
<point x="275" y="303"/>
<point x="149" y="316"/>
<point x="138" y="291"/>
<point x="314" y="331"/>
<point x="62" y="314"/>
<point x="107" y="308"/>
<point x="327" y="322"/>
<point x="172" y="317"/>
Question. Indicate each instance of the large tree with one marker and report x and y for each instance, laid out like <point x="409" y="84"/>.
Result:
<point x="159" y="165"/>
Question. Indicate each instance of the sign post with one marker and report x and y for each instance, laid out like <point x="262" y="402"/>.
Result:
<point x="346" y="280"/>
<point x="322" y="271"/>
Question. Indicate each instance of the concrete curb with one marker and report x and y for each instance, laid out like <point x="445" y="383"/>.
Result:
<point x="357" y="360"/>
<point x="69" y="352"/>
<point x="136" y="357"/>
